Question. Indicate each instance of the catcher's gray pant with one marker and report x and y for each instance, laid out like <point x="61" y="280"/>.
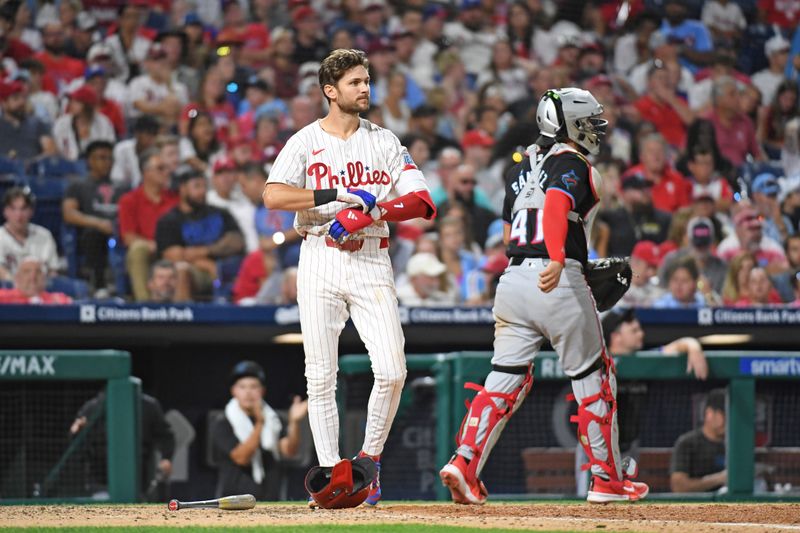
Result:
<point x="568" y="318"/>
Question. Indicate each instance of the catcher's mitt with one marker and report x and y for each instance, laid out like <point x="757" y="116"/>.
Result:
<point x="609" y="280"/>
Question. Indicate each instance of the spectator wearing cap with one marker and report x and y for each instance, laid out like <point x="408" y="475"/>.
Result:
<point x="682" y="278"/>
<point x="664" y="49"/>
<point x="139" y="211"/>
<point x="749" y="237"/>
<point x="636" y="219"/>
<point x="19" y="238"/>
<point x="724" y="19"/>
<point x="477" y="145"/>
<point x="426" y="283"/>
<point x="461" y="191"/>
<point x="90" y="204"/>
<point x="82" y="125"/>
<point x="249" y="439"/>
<point x="309" y="37"/>
<point x="155" y="92"/>
<point x="646" y="257"/>
<point x="767" y="80"/>
<point x="706" y="181"/>
<point x="736" y="135"/>
<point x="373" y="23"/>
<point x="97" y="78"/>
<point x="700" y="249"/>
<point x="698" y="458"/>
<point x="82" y="36"/>
<point x="671" y="190"/>
<point x="129" y="44"/>
<point x="473" y="36"/>
<point x="60" y="69"/>
<point x="116" y="88"/>
<point x="127" y="153"/>
<point x="30" y="280"/>
<point x="662" y="106"/>
<point x="197" y="233"/>
<point x="23" y="136"/>
<point x="764" y="191"/>
<point x="175" y="45"/>
<point x="773" y="119"/>
<point x="696" y="47"/>
<point x="226" y="194"/>
<point x="45" y="104"/>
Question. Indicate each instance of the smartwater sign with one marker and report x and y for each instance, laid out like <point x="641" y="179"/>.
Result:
<point x="770" y="366"/>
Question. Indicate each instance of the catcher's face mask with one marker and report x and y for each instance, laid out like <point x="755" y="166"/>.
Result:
<point x="343" y="486"/>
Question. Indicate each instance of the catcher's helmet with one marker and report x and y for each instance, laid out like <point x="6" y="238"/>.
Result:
<point x="569" y="114"/>
<point x="342" y="486"/>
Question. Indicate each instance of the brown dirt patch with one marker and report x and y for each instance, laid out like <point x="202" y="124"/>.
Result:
<point x="694" y="518"/>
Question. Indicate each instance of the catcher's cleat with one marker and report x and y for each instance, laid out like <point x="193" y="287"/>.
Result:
<point x="605" y="491"/>
<point x="375" y="488"/>
<point x="464" y="489"/>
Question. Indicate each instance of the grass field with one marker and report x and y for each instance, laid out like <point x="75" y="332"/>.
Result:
<point x="405" y="517"/>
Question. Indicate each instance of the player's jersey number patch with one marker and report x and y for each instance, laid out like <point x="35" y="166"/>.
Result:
<point x="519" y="227"/>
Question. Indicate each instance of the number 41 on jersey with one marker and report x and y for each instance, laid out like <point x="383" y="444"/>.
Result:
<point x="519" y="227"/>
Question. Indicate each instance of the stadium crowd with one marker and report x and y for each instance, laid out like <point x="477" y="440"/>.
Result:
<point x="136" y="136"/>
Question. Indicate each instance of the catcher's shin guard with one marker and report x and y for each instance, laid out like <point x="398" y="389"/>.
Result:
<point x="596" y="393"/>
<point x="489" y="412"/>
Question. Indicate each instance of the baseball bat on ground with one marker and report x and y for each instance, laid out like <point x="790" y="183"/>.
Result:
<point x="240" y="502"/>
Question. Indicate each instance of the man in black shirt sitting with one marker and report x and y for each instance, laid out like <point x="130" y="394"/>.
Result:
<point x="250" y="439"/>
<point x="698" y="458"/>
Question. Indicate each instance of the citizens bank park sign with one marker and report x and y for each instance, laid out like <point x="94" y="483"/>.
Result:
<point x="748" y="317"/>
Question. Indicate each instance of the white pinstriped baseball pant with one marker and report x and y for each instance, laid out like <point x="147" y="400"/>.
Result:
<point x="333" y="284"/>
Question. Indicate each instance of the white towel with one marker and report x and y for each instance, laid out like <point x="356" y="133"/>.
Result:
<point x="243" y="428"/>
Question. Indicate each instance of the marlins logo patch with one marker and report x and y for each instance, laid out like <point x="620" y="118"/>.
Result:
<point x="569" y="179"/>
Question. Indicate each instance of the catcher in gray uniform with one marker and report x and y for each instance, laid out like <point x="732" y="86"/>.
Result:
<point x="551" y="291"/>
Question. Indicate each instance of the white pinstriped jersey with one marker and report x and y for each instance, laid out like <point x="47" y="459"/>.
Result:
<point x="372" y="159"/>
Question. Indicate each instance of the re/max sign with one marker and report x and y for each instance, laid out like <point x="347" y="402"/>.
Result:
<point x="27" y="365"/>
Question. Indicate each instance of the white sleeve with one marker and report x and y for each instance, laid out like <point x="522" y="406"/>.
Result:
<point x="51" y="254"/>
<point x="403" y="170"/>
<point x="707" y="16"/>
<point x="290" y="165"/>
<point x="185" y="149"/>
<point x="118" y="171"/>
<point x="137" y="90"/>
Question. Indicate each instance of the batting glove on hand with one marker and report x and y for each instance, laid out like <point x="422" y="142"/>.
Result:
<point x="348" y="221"/>
<point x="362" y="198"/>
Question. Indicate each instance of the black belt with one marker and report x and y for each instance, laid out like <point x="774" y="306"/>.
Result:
<point x="517" y="261"/>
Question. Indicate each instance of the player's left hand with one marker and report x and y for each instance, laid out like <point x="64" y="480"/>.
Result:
<point x="549" y="277"/>
<point x="348" y="221"/>
<point x="363" y="199"/>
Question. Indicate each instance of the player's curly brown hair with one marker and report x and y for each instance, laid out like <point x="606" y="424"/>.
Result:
<point x="337" y="63"/>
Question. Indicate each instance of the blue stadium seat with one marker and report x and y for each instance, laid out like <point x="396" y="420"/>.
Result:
<point x="11" y="168"/>
<point x="56" y="167"/>
<point x="116" y="260"/>
<point x="48" y="214"/>
<point x="227" y="270"/>
<point x="69" y="248"/>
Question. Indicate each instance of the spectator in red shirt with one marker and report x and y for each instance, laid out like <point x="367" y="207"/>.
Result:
<point x="29" y="283"/>
<point x="760" y="291"/>
<point x="736" y="135"/>
<point x="139" y="210"/>
<point x="671" y="190"/>
<point x="662" y="106"/>
<point x="784" y="13"/>
<point x="60" y="68"/>
<point x="706" y="180"/>
<point x="254" y="37"/>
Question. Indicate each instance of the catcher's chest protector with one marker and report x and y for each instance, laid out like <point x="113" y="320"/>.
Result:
<point x="533" y="193"/>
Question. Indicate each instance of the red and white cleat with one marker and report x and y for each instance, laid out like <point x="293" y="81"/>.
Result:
<point x="603" y="491"/>
<point x="463" y="489"/>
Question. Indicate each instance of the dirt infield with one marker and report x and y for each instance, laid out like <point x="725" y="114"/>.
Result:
<point x="694" y="518"/>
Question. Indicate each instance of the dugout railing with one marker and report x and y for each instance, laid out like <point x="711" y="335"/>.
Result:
<point x="40" y="391"/>
<point x="737" y="370"/>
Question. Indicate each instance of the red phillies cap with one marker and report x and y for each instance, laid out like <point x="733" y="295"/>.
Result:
<point x="649" y="252"/>
<point x="85" y="94"/>
<point x="477" y="138"/>
<point x="223" y="164"/>
<point x="9" y="88"/>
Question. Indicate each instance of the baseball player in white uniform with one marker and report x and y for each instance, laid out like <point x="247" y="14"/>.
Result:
<point x="346" y="177"/>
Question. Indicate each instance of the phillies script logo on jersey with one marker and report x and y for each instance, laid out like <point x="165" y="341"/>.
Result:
<point x="356" y="175"/>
